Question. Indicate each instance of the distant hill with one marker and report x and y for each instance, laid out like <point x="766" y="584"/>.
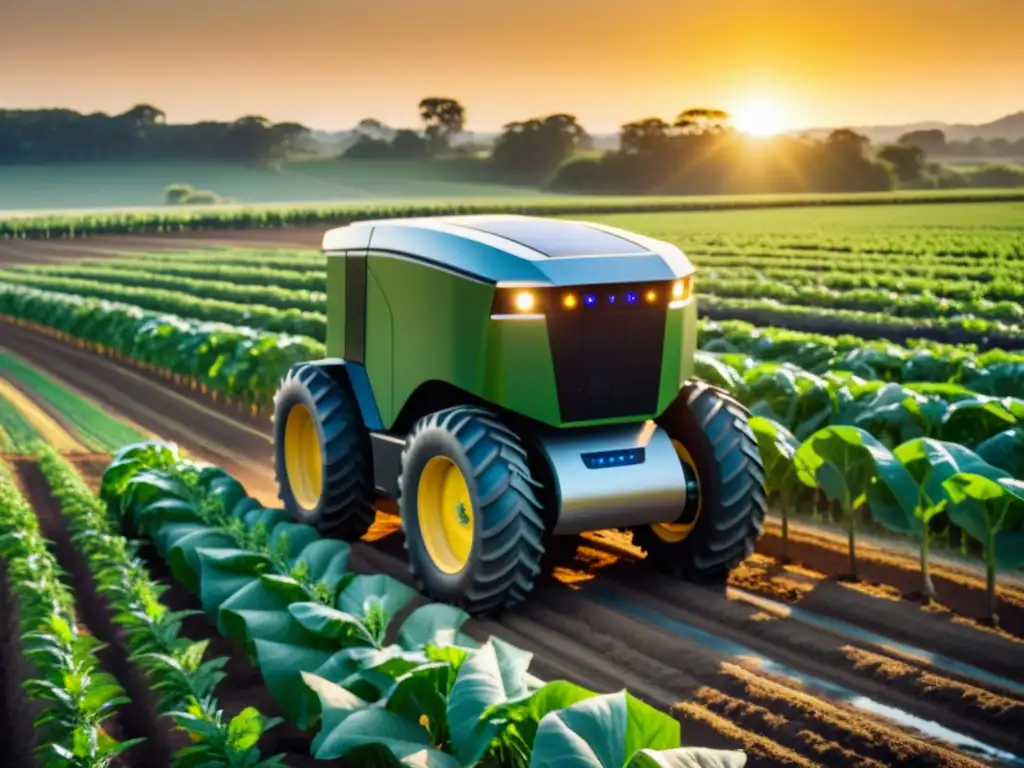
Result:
<point x="1010" y="127"/>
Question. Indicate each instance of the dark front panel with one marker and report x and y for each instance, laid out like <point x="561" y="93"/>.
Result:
<point x="355" y="306"/>
<point x="607" y="362"/>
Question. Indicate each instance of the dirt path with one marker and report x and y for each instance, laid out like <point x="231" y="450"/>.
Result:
<point x="886" y="684"/>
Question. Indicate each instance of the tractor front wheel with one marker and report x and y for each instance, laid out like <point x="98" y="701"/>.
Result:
<point x="323" y="459"/>
<point x="726" y="497"/>
<point x="473" y="526"/>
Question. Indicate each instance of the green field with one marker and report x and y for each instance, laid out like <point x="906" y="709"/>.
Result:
<point x="121" y="185"/>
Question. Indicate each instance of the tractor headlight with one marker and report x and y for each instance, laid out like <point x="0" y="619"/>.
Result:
<point x="514" y="301"/>
<point x="681" y="291"/>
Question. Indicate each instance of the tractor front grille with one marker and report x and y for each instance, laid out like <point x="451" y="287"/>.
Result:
<point x="607" y="362"/>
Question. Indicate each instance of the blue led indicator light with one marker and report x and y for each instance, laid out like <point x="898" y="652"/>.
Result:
<point x="590" y="299"/>
<point x="631" y="298"/>
<point x="611" y="299"/>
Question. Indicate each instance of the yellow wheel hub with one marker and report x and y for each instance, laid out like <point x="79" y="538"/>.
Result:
<point x="303" y="459"/>
<point x="673" y="533"/>
<point x="445" y="514"/>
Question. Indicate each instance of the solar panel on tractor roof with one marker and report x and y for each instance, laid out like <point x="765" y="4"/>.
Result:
<point x="556" y="239"/>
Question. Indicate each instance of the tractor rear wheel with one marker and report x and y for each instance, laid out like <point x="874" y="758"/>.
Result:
<point x="323" y="459"/>
<point x="719" y="528"/>
<point x="473" y="526"/>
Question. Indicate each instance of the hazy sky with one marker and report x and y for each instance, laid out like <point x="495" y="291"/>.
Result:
<point x="328" y="63"/>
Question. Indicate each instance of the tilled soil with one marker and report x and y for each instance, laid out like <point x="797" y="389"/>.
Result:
<point x="763" y="664"/>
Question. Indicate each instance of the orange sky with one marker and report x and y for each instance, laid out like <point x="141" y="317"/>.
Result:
<point x="328" y="63"/>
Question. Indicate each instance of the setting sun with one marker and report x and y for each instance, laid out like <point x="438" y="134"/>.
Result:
<point x="759" y="118"/>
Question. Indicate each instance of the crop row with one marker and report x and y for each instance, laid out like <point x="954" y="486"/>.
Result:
<point x="237" y="362"/>
<point x="235" y="291"/>
<point x="952" y="283"/>
<point x="1004" y="243"/>
<point x="804" y="402"/>
<point x="291" y="321"/>
<point x="860" y="288"/>
<point x="318" y="634"/>
<point x="75" y="696"/>
<point x="78" y="225"/>
<point x="873" y="313"/>
<point x="919" y="488"/>
<point x="244" y="364"/>
<point x="917" y="305"/>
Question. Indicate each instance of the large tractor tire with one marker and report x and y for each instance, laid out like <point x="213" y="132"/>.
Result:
<point x="322" y="453"/>
<point x="724" y="518"/>
<point x="473" y="526"/>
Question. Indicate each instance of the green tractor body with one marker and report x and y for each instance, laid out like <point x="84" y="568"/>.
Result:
<point x="508" y="379"/>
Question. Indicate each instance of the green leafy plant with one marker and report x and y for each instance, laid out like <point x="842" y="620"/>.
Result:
<point x="319" y="634"/>
<point x="930" y="463"/>
<point x="851" y="467"/>
<point x="79" y="697"/>
<point x="992" y="511"/>
<point x="173" y="664"/>
<point x="778" y="449"/>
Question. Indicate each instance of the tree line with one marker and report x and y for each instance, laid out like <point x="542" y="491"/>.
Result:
<point x="141" y="133"/>
<point x="698" y="152"/>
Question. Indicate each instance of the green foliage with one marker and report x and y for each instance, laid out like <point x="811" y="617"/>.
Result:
<point x="174" y="664"/>
<point x="78" y="696"/>
<point x="96" y="428"/>
<point x="319" y="635"/>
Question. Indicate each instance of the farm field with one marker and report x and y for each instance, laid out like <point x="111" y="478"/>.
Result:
<point x="142" y="184"/>
<point x="790" y="663"/>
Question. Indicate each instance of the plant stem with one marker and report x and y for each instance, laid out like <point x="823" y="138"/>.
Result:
<point x="853" y="544"/>
<point x="990" y="578"/>
<point x="928" y="590"/>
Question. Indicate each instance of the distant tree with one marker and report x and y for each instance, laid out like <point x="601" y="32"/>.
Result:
<point x="374" y="128"/>
<point x="366" y="148"/>
<point x="531" y="149"/>
<point x="643" y="136"/>
<point x="846" y="143"/>
<point x="408" y="144"/>
<point x="908" y="161"/>
<point x="443" y="118"/>
<point x="933" y="142"/>
<point x="144" y="116"/>
<point x="702" y="120"/>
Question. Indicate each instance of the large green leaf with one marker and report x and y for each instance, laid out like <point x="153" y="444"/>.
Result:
<point x="281" y="666"/>
<point x="990" y="510"/>
<point x="525" y="714"/>
<point x="260" y="611"/>
<point x="434" y="624"/>
<point x="494" y="674"/>
<point x="846" y="461"/>
<point x="713" y="370"/>
<point x="602" y="732"/>
<point x="325" y="560"/>
<point x="932" y="462"/>
<point x="331" y="624"/>
<point x="184" y="559"/>
<point x="421" y="696"/>
<point x="970" y="422"/>
<point x="336" y="703"/>
<point x="778" y="448"/>
<point x="1005" y="450"/>
<point x="225" y="572"/>
<point x="408" y="742"/>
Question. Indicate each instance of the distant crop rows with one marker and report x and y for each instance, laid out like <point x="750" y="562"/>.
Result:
<point x="259" y="217"/>
<point x="927" y="291"/>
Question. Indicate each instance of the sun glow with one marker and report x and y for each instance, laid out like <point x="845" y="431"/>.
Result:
<point x="759" y="118"/>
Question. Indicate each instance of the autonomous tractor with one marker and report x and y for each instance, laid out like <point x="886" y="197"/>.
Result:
<point x="511" y="382"/>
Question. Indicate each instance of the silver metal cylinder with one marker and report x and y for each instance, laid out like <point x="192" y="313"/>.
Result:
<point x="614" y="477"/>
